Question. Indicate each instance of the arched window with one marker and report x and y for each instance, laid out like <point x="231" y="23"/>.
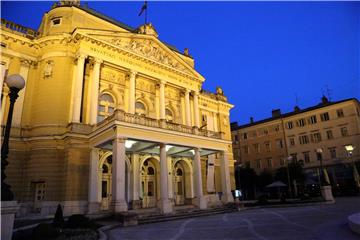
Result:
<point x="169" y="115"/>
<point x="106" y="106"/>
<point x="150" y="171"/>
<point x="105" y="168"/>
<point x="179" y="172"/>
<point x="140" y="108"/>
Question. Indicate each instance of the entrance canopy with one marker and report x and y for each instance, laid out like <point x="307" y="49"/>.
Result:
<point x="146" y="147"/>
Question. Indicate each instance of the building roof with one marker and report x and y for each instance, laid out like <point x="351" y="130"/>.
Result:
<point x="116" y="22"/>
<point x="235" y="126"/>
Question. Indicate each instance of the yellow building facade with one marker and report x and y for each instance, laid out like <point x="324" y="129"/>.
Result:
<point x="110" y="119"/>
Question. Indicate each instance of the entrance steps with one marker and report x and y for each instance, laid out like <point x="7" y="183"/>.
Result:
<point x="181" y="212"/>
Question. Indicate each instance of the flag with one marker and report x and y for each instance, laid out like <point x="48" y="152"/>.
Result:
<point x="143" y="8"/>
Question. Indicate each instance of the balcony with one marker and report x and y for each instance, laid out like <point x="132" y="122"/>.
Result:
<point x="120" y="115"/>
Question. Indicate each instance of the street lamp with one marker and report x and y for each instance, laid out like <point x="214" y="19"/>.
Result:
<point x="288" y="159"/>
<point x="349" y="149"/>
<point x="319" y="152"/>
<point x="15" y="82"/>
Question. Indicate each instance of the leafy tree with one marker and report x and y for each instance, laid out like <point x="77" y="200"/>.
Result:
<point x="265" y="178"/>
<point x="246" y="180"/>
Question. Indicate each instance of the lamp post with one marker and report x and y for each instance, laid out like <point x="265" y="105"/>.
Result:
<point x="288" y="159"/>
<point x="319" y="152"/>
<point x="349" y="149"/>
<point x="15" y="83"/>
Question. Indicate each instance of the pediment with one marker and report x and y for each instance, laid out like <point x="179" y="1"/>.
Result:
<point x="148" y="47"/>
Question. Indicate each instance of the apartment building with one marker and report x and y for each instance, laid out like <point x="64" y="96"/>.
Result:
<point x="314" y="135"/>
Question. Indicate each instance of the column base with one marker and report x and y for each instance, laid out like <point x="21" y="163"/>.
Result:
<point x="326" y="193"/>
<point x="201" y="202"/>
<point x="227" y="198"/>
<point x="120" y="206"/>
<point x="93" y="207"/>
<point x="166" y="206"/>
<point x="8" y="210"/>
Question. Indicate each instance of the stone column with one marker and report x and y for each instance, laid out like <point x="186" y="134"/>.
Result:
<point x="166" y="206"/>
<point x="132" y="93"/>
<point x="187" y="107"/>
<point x="225" y="179"/>
<point x="162" y="99"/>
<point x="118" y="176"/>
<point x="78" y="88"/>
<point x="200" y="199"/>
<point x="93" y="190"/>
<point x="95" y="91"/>
<point x="196" y="108"/>
<point x="2" y="75"/>
<point x="210" y="180"/>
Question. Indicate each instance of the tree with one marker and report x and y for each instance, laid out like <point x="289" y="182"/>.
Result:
<point x="246" y="181"/>
<point x="264" y="178"/>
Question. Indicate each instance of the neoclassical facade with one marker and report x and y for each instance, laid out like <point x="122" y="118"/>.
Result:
<point x="111" y="119"/>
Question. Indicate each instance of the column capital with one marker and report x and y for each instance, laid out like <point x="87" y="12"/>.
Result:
<point x="163" y="81"/>
<point x="196" y="93"/>
<point x="133" y="73"/>
<point x="81" y="56"/>
<point x="187" y="91"/>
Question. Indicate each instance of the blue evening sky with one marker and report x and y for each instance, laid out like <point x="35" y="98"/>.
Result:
<point x="263" y="54"/>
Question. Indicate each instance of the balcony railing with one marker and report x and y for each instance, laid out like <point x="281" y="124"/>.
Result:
<point x="156" y="123"/>
<point x="24" y="31"/>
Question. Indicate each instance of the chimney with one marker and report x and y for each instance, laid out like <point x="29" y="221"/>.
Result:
<point x="276" y="113"/>
<point x="234" y="126"/>
<point x="251" y="120"/>
<point x="324" y="100"/>
<point x="296" y="109"/>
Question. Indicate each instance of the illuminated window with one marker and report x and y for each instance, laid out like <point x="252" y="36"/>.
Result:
<point x="106" y="106"/>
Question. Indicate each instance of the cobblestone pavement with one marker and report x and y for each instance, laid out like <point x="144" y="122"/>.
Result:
<point x="287" y="223"/>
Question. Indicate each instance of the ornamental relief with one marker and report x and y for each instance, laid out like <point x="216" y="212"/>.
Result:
<point x="172" y="93"/>
<point x="150" y="50"/>
<point x="112" y="76"/>
<point x="145" y="85"/>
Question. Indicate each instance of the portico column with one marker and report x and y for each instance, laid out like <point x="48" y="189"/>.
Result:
<point x="93" y="189"/>
<point x="200" y="199"/>
<point x="225" y="178"/>
<point x="2" y="75"/>
<point x="118" y="176"/>
<point x="132" y="93"/>
<point x="95" y="91"/>
<point x="162" y="99"/>
<point x="78" y="88"/>
<point x="166" y="206"/>
<point x="187" y="107"/>
<point x="196" y="108"/>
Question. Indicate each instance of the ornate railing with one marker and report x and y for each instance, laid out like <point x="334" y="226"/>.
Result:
<point x="24" y="31"/>
<point x="156" y="123"/>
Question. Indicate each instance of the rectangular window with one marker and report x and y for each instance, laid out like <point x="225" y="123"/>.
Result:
<point x="269" y="162"/>
<point x="245" y="136"/>
<point x="319" y="156"/>
<point x="301" y="122"/>
<point x="282" y="161"/>
<point x="254" y="134"/>
<point x="344" y="131"/>
<point x="293" y="157"/>
<point x="246" y="149"/>
<point x="258" y="163"/>
<point x="56" y="21"/>
<point x="313" y="119"/>
<point x="329" y="134"/>
<point x="340" y="113"/>
<point x="304" y="139"/>
<point x="306" y="157"/>
<point x="277" y="128"/>
<point x="257" y="147"/>
<point x="266" y="132"/>
<point x="279" y="143"/>
<point x="236" y="138"/>
<point x="268" y="146"/>
<point x="332" y="152"/>
<point x="292" y="141"/>
<point x="289" y="125"/>
<point x="316" y="137"/>
<point x="325" y="116"/>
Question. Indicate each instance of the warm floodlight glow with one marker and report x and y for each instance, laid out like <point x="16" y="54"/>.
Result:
<point x="319" y="150"/>
<point x="349" y="148"/>
<point x="129" y="143"/>
<point x="167" y="147"/>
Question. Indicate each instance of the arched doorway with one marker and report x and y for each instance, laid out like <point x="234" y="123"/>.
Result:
<point x="106" y="169"/>
<point x="105" y="179"/>
<point x="148" y="184"/>
<point x="179" y="184"/>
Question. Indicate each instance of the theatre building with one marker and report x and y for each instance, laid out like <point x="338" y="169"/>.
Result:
<point x="110" y="119"/>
